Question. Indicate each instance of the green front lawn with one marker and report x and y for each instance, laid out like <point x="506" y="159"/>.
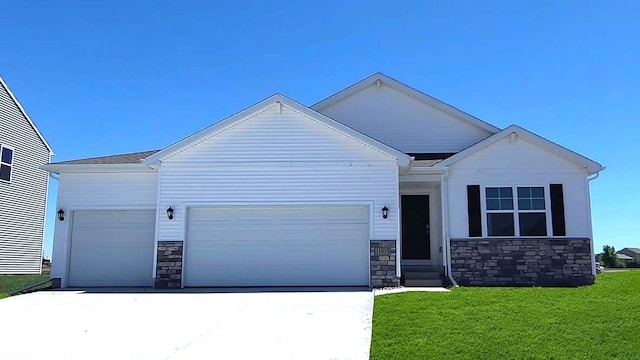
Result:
<point x="11" y="283"/>
<point x="592" y="322"/>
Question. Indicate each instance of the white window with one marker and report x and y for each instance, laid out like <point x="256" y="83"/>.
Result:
<point x="6" y="162"/>
<point x="532" y="216"/>
<point x="526" y="216"/>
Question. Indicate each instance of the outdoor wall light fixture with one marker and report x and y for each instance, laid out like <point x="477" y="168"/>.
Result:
<point x="61" y="215"/>
<point x="170" y="213"/>
<point x="385" y="212"/>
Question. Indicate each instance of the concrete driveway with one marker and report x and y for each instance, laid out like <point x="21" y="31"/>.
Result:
<point x="269" y="324"/>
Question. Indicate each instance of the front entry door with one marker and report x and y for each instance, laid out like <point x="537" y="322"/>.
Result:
<point x="416" y="242"/>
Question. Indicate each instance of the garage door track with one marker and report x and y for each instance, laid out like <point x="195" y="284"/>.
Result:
<point x="198" y="324"/>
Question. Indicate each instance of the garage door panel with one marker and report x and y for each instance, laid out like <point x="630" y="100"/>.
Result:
<point x="112" y="248"/>
<point x="277" y="245"/>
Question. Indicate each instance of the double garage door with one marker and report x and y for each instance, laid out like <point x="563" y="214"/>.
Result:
<point x="277" y="246"/>
<point x="228" y="246"/>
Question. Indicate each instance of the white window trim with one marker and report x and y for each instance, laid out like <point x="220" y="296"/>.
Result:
<point x="13" y="161"/>
<point x="515" y="211"/>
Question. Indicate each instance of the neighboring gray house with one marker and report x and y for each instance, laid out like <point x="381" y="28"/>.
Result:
<point x="23" y="188"/>
<point x="633" y="253"/>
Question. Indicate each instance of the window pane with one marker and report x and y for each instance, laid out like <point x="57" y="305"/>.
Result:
<point x="492" y="193"/>
<point x="538" y="204"/>
<point x="5" y="172"/>
<point x="537" y="192"/>
<point x="524" y="192"/>
<point x="524" y="204"/>
<point x="506" y="204"/>
<point x="7" y="156"/>
<point x="500" y="225"/>
<point x="533" y="224"/>
<point x="493" y="204"/>
<point x="506" y="192"/>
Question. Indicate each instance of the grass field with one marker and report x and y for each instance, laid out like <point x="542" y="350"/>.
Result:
<point x="11" y="283"/>
<point x="593" y="322"/>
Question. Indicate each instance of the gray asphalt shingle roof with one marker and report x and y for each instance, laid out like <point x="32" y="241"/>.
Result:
<point x="131" y="158"/>
<point x="426" y="159"/>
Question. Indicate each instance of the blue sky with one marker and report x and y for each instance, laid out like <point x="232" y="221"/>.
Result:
<point x="110" y="77"/>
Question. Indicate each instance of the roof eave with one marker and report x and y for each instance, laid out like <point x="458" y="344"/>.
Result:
<point x="96" y="168"/>
<point x="33" y="125"/>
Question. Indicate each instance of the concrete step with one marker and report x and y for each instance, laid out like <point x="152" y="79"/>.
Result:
<point x="424" y="275"/>
<point x="422" y="282"/>
<point x="423" y="268"/>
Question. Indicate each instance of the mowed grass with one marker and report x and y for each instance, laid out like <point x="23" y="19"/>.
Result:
<point x="12" y="283"/>
<point x="592" y="322"/>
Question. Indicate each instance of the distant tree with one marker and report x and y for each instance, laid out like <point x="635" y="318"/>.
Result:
<point x="609" y="257"/>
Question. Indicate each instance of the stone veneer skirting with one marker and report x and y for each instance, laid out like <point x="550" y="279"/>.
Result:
<point x="522" y="262"/>
<point x="169" y="265"/>
<point x="383" y="264"/>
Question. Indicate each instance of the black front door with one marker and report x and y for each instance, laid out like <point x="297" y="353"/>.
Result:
<point x="416" y="242"/>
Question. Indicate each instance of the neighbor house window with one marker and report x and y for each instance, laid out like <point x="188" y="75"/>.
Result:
<point x="526" y="216"/>
<point x="6" y="162"/>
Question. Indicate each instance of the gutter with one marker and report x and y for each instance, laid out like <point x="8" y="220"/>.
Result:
<point x="597" y="174"/>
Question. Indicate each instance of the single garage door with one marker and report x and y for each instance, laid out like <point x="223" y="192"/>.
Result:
<point x="277" y="246"/>
<point x="112" y="248"/>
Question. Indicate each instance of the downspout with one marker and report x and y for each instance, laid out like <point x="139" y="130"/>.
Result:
<point x="444" y="185"/>
<point x="593" y="255"/>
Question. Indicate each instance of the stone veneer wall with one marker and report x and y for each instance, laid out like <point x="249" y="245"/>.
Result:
<point x="383" y="264"/>
<point x="169" y="265"/>
<point x="522" y="262"/>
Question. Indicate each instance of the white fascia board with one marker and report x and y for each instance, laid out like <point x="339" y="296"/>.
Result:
<point x="250" y="112"/>
<point x="33" y="125"/>
<point x="408" y="90"/>
<point x="590" y="166"/>
<point x="96" y="168"/>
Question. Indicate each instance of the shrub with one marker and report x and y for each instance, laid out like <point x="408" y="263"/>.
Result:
<point x="609" y="257"/>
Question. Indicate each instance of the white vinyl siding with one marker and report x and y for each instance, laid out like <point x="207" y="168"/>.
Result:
<point x="97" y="191"/>
<point x="403" y="122"/>
<point x="277" y="246"/>
<point x="6" y="162"/>
<point x="23" y="199"/>
<point x="518" y="163"/>
<point x="278" y="158"/>
<point x="112" y="248"/>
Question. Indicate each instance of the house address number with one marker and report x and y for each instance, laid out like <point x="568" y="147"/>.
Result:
<point x="381" y="251"/>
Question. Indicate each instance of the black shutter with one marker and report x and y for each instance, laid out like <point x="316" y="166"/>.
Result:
<point x="473" y="208"/>
<point x="557" y="210"/>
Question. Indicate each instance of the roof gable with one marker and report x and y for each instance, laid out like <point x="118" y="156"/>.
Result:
<point x="279" y="101"/>
<point x="590" y="166"/>
<point x="26" y="116"/>
<point x="378" y="79"/>
<point x="633" y="250"/>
